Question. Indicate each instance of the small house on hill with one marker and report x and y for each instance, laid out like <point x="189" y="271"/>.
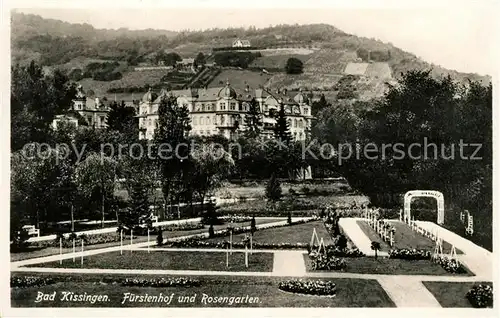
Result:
<point x="241" y="43"/>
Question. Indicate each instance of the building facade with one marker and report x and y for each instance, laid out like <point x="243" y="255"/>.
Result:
<point x="94" y="111"/>
<point x="241" y="43"/>
<point x="222" y="111"/>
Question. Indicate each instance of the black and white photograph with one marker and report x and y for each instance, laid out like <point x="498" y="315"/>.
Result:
<point x="217" y="156"/>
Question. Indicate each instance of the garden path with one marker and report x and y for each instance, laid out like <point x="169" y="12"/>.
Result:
<point x="358" y="237"/>
<point x="408" y="292"/>
<point x="479" y="260"/>
<point x="289" y="263"/>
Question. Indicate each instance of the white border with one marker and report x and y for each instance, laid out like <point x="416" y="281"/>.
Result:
<point x="6" y="311"/>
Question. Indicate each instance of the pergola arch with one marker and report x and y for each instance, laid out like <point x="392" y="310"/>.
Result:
<point x="423" y="194"/>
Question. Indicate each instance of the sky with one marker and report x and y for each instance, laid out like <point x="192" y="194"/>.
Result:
<point x="459" y="35"/>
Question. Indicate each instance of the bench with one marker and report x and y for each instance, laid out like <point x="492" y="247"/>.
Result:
<point x="32" y="231"/>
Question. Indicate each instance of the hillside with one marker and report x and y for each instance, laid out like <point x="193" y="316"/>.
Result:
<point x="338" y="64"/>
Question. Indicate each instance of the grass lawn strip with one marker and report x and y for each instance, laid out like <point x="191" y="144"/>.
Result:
<point x="350" y="293"/>
<point x="452" y="294"/>
<point x="388" y="266"/>
<point x="171" y="260"/>
<point x="300" y="233"/>
<point x="404" y="237"/>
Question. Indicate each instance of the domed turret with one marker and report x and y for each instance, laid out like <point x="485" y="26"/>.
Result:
<point x="80" y="94"/>
<point x="149" y="97"/>
<point x="300" y="98"/>
<point x="227" y="92"/>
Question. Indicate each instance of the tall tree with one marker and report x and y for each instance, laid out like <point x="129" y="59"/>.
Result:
<point x="122" y="118"/>
<point x="294" y="66"/>
<point x="253" y="120"/>
<point x="282" y="128"/>
<point x="171" y="135"/>
<point x="35" y="100"/>
<point x="96" y="179"/>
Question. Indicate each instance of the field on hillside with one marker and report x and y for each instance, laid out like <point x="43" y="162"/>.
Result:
<point x="277" y="61"/>
<point x="329" y="61"/>
<point x="239" y="78"/>
<point x="308" y="81"/>
<point x="134" y="78"/>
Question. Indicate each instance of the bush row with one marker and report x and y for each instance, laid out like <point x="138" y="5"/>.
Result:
<point x="409" y="254"/>
<point x="309" y="287"/>
<point x="326" y="262"/>
<point x="161" y="282"/>
<point x="30" y="281"/>
<point x="450" y="265"/>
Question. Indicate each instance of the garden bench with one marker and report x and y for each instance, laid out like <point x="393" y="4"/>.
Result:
<point x="32" y="230"/>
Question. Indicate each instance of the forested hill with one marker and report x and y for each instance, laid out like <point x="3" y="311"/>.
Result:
<point x="53" y="42"/>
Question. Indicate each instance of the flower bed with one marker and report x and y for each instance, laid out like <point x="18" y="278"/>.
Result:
<point x="481" y="296"/>
<point x="184" y="227"/>
<point x="326" y="262"/>
<point x="450" y="265"/>
<point x="30" y="281"/>
<point x="409" y="254"/>
<point x="237" y="218"/>
<point x="161" y="282"/>
<point x="93" y="239"/>
<point x="309" y="287"/>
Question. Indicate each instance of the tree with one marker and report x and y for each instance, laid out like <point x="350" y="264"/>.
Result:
<point x="282" y="128"/>
<point x="253" y="227"/>
<point x="289" y="218"/>
<point x="96" y="179"/>
<point x="253" y="120"/>
<point x="173" y="128"/>
<point x="273" y="189"/>
<point x="208" y="165"/>
<point x="122" y="118"/>
<point x="35" y="100"/>
<point x="200" y="59"/>
<point x="159" y="237"/>
<point x="211" y="232"/>
<point x="294" y="66"/>
<point x="341" y="242"/>
<point x="375" y="246"/>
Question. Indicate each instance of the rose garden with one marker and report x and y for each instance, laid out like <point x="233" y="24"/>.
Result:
<point x="343" y="254"/>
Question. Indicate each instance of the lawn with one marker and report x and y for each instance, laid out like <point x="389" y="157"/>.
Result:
<point x="389" y="266"/>
<point x="300" y="233"/>
<point x="452" y="294"/>
<point x="350" y="292"/>
<point x="40" y="252"/>
<point x="404" y="237"/>
<point x="170" y="260"/>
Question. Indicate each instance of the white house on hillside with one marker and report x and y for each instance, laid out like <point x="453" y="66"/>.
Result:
<point x="241" y="43"/>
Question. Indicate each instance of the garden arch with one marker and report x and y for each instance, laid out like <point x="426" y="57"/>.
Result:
<point x="424" y="193"/>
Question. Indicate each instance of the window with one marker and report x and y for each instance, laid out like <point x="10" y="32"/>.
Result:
<point x="149" y="122"/>
<point x="195" y="120"/>
<point x="203" y="107"/>
<point x="214" y="120"/>
<point x="306" y="111"/>
<point x="222" y="120"/>
<point x="295" y="123"/>
<point x="222" y="106"/>
<point x="207" y="122"/>
<point x="301" y="123"/>
<point x="232" y="106"/>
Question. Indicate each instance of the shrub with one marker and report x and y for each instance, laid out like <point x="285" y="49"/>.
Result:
<point x="159" y="238"/>
<point x="309" y="287"/>
<point x="30" y="281"/>
<point x="481" y="296"/>
<point x="450" y="265"/>
<point x="326" y="262"/>
<point x="185" y="226"/>
<point x="289" y="218"/>
<point x="294" y="66"/>
<point x="409" y="254"/>
<point x="273" y="189"/>
<point x="211" y="232"/>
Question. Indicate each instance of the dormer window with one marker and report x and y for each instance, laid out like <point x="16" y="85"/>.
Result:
<point x="232" y="106"/>
<point x="222" y="106"/>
